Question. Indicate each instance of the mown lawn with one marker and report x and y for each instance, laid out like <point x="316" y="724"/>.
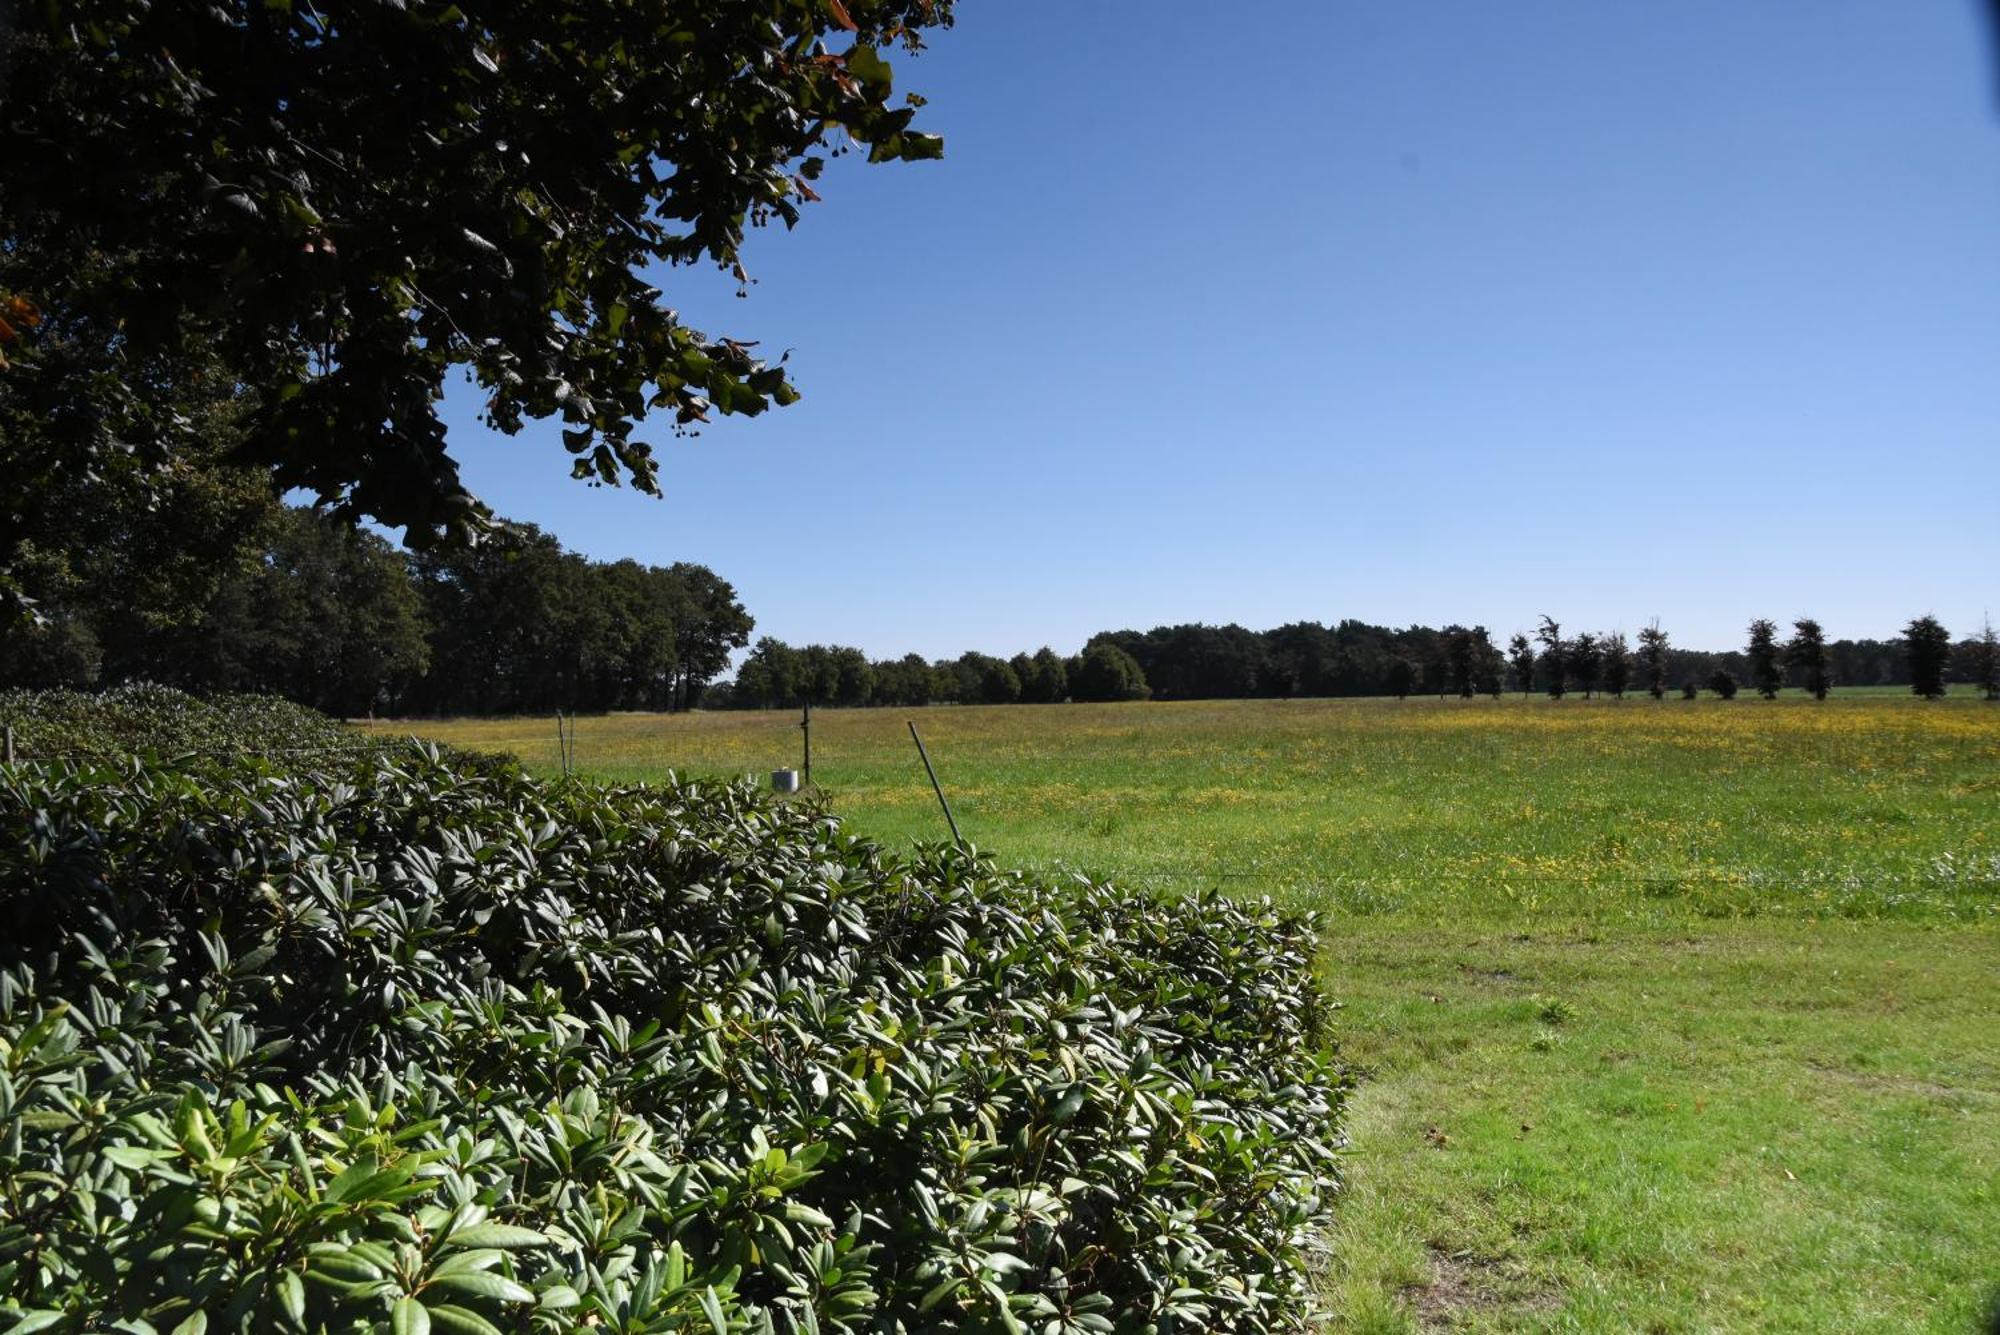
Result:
<point x="1675" y="1016"/>
<point x="1753" y="1125"/>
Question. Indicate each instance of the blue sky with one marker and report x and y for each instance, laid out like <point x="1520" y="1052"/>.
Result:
<point x="1460" y="311"/>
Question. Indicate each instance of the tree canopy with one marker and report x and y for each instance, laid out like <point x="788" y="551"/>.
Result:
<point x="320" y="211"/>
<point x="337" y="618"/>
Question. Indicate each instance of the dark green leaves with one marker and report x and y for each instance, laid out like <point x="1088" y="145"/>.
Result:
<point x="324" y="212"/>
<point x="666" y="1059"/>
<point x="408" y="1317"/>
<point x="496" y="1235"/>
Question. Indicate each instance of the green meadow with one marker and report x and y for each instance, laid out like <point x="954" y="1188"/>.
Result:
<point x="1665" y="1016"/>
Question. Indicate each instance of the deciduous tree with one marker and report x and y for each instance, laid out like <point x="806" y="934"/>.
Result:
<point x="1521" y="659"/>
<point x="1402" y="678"/>
<point x="1617" y="663"/>
<point x="1489" y="668"/>
<point x="1105" y="673"/>
<point x="329" y="209"/>
<point x="1461" y="661"/>
<point x="1045" y="680"/>
<point x="1586" y="662"/>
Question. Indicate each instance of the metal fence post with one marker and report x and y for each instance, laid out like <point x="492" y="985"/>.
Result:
<point x="936" y="787"/>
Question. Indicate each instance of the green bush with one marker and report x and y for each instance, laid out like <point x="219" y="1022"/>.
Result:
<point x="136" y="719"/>
<point x="394" y="1043"/>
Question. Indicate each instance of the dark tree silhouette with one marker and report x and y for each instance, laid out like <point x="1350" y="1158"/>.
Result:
<point x="1105" y="673"/>
<point x="1489" y="668"/>
<point x="1805" y="655"/>
<point x="1555" y="658"/>
<point x="1586" y="662"/>
<point x="1765" y="674"/>
<point x="1927" y="646"/>
<point x="1653" y="659"/>
<point x="1617" y="664"/>
<point x="1521" y="658"/>
<point x="1983" y="662"/>
<point x="1402" y="676"/>
<point x="1461" y="655"/>
<point x="1723" y="683"/>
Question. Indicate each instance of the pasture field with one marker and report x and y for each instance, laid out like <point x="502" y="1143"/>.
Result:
<point x="1870" y="805"/>
<point x="1669" y="1016"/>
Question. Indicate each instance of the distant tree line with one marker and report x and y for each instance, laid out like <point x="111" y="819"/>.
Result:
<point x="210" y="584"/>
<point x="777" y="675"/>
<point x="343" y="621"/>
<point x="1353" y="658"/>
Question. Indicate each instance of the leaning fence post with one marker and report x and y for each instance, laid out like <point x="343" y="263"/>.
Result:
<point x="936" y="787"/>
<point x="10" y="743"/>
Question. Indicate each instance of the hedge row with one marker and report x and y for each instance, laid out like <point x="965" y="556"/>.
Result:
<point x="393" y="1043"/>
<point x="128" y="720"/>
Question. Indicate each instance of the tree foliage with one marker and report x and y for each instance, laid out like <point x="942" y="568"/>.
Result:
<point x="320" y="212"/>
<point x="1652" y="661"/>
<point x="1304" y="658"/>
<point x="1521" y="661"/>
<point x="1765" y="673"/>
<point x="1461" y="661"/>
<point x="1927" y="648"/>
<point x="1805" y="656"/>
<point x="986" y="680"/>
<point x="1108" y="673"/>
<point x="1489" y="667"/>
<point x="1983" y="661"/>
<point x="336" y="618"/>
<point x="1554" y="657"/>
<point x="1617" y="659"/>
<point x="1044" y="678"/>
<point x="1347" y="658"/>
<point x="1585" y="656"/>
<point x="1402" y="677"/>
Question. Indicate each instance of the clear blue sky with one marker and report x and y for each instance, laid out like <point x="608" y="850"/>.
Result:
<point x="1413" y="313"/>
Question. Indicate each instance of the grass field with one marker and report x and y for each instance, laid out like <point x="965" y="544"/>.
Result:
<point x="1677" y="1016"/>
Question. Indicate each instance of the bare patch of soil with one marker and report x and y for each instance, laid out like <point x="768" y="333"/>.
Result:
<point x="1465" y="1284"/>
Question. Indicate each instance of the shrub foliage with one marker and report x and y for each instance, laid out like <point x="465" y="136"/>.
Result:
<point x="395" y="1043"/>
<point x="158" y="720"/>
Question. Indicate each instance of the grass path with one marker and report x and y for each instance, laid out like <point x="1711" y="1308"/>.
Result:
<point x="1675" y="1016"/>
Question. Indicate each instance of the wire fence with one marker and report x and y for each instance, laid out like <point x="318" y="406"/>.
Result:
<point x="1977" y="876"/>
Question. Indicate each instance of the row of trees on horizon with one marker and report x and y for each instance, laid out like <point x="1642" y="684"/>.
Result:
<point x="1353" y="658"/>
<point x="222" y="588"/>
